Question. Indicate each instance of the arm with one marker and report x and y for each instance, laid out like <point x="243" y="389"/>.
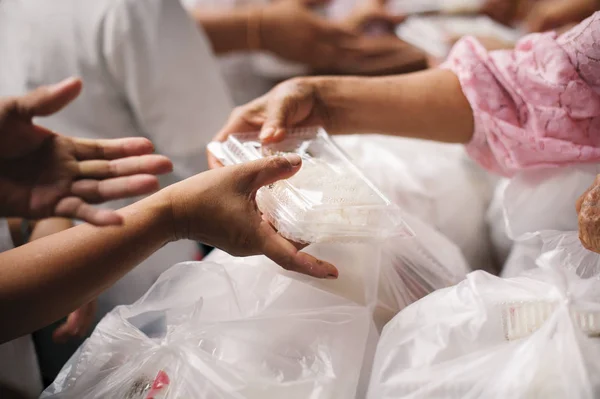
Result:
<point x="399" y="105"/>
<point x="535" y="106"/>
<point x="231" y="29"/>
<point x="50" y="277"/>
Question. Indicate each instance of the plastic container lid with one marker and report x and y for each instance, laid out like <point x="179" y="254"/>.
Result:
<point x="328" y="200"/>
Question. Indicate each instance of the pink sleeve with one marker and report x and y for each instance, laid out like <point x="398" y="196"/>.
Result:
<point x="537" y="105"/>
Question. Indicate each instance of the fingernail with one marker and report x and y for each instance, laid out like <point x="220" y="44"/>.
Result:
<point x="266" y="133"/>
<point x="293" y="159"/>
<point x="61" y="85"/>
<point x="331" y="277"/>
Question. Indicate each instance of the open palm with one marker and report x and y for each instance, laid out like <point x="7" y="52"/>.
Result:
<point x="45" y="174"/>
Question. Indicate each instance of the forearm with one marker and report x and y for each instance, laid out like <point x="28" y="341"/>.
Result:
<point x="50" y="277"/>
<point x="228" y="30"/>
<point x="428" y="105"/>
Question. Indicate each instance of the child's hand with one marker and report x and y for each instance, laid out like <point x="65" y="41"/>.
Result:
<point x="77" y="324"/>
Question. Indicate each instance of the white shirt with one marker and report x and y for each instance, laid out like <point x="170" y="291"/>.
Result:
<point x="147" y="71"/>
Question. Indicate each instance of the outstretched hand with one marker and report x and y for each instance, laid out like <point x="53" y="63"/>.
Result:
<point x="219" y="208"/>
<point x="45" y="174"/>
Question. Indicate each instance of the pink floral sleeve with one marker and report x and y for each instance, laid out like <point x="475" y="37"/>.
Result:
<point x="537" y="105"/>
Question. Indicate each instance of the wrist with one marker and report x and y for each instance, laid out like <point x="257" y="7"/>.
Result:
<point x="153" y="213"/>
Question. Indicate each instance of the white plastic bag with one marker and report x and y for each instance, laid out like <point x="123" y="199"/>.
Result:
<point x="211" y="331"/>
<point x="407" y="7"/>
<point x="386" y="278"/>
<point x="528" y="337"/>
<point x="539" y="200"/>
<point x="415" y="267"/>
<point x="435" y="182"/>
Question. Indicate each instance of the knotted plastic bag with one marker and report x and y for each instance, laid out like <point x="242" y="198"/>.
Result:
<point x="533" y="336"/>
<point x="211" y="331"/>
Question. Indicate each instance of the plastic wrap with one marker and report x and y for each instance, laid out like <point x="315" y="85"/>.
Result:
<point x="432" y="34"/>
<point x="328" y="200"/>
<point x="211" y="331"/>
<point x="540" y="200"/>
<point x="451" y="195"/>
<point x="532" y="336"/>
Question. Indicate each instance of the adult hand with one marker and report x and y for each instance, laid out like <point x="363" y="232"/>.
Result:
<point x="45" y="174"/>
<point x="503" y="11"/>
<point x="77" y="325"/>
<point x="372" y="14"/>
<point x="294" y="103"/>
<point x="219" y="208"/>
<point x="554" y="14"/>
<point x="588" y="210"/>
<point x="291" y="30"/>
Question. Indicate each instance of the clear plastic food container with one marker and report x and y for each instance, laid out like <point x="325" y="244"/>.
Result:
<point x="328" y="200"/>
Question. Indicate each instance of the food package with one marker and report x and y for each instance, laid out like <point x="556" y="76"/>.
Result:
<point x="210" y="331"/>
<point x="533" y="336"/>
<point x="433" y="34"/>
<point x="328" y="201"/>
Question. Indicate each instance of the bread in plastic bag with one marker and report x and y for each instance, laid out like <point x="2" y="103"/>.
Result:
<point x="451" y="195"/>
<point x="211" y="331"/>
<point x="534" y="336"/>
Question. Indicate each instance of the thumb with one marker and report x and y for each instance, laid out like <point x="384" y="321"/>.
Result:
<point x="291" y="103"/>
<point x="269" y="170"/>
<point x="47" y="100"/>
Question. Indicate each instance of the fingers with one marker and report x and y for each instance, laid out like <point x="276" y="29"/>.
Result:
<point x="144" y="164"/>
<point x="47" y="100"/>
<point x="98" y="191"/>
<point x="267" y="171"/>
<point x="76" y="208"/>
<point x="77" y="324"/>
<point x="86" y="149"/>
<point x="286" y="255"/>
<point x="290" y="103"/>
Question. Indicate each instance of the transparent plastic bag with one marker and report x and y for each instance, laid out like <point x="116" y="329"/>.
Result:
<point x="432" y="33"/>
<point x="328" y="200"/>
<point x="414" y="268"/>
<point x="451" y="195"/>
<point x="211" y="331"/>
<point x="386" y="279"/>
<point x="539" y="204"/>
<point x="534" y="336"/>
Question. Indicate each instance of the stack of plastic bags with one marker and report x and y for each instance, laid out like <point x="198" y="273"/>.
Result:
<point x="211" y="331"/>
<point x="532" y="336"/>
<point x="245" y="328"/>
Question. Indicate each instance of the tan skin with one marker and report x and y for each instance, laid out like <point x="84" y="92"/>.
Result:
<point x="394" y="105"/>
<point x="79" y="321"/>
<point x="45" y="174"/>
<point x="50" y="277"/>
<point x="45" y="279"/>
<point x="325" y="46"/>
